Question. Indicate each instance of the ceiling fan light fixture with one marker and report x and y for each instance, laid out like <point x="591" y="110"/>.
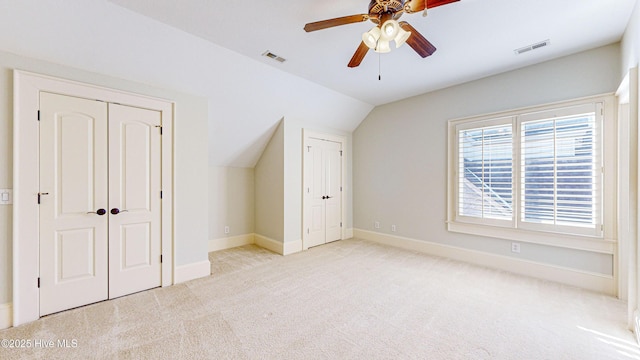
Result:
<point x="382" y="46"/>
<point x="390" y="29"/>
<point x="371" y="37"/>
<point x="402" y="37"/>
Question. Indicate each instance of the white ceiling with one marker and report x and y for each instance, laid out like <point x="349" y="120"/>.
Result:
<point x="475" y="38"/>
<point x="212" y="49"/>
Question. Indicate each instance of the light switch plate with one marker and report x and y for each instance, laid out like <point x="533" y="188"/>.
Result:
<point x="6" y="196"/>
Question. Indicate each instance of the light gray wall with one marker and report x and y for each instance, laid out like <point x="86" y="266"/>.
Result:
<point x="232" y="201"/>
<point x="400" y="151"/>
<point x="6" y="180"/>
<point x="630" y="43"/>
<point x="190" y="132"/>
<point x="269" y="188"/>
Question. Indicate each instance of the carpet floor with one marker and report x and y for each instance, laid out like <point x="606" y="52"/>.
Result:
<point x="351" y="299"/>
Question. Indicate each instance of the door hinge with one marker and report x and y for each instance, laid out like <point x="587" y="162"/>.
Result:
<point x="38" y="283"/>
<point x="340" y="224"/>
<point x="38" y="115"/>
<point x="307" y="230"/>
<point x="340" y="152"/>
<point x="340" y="188"/>
<point x="161" y="259"/>
<point x="39" y="195"/>
<point x="159" y="126"/>
<point x="601" y="227"/>
<point x="160" y="194"/>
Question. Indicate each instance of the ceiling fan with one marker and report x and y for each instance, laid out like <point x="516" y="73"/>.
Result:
<point x="385" y="13"/>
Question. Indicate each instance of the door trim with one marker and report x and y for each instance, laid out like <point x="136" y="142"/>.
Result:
<point x="27" y="88"/>
<point x="310" y="134"/>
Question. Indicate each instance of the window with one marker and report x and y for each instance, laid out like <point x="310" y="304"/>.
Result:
<point x="536" y="170"/>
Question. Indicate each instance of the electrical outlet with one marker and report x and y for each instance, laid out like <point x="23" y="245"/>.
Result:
<point x="393" y="228"/>
<point x="226" y="229"/>
<point x="515" y="248"/>
<point x="6" y="196"/>
<point x="376" y="225"/>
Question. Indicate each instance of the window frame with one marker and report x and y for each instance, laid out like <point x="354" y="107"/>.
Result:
<point x="600" y="239"/>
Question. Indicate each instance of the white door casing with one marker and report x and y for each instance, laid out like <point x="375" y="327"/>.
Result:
<point x="322" y="189"/>
<point x="134" y="200"/>
<point x="26" y="179"/>
<point x="73" y="186"/>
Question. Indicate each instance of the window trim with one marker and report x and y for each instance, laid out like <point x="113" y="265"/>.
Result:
<point x="605" y="242"/>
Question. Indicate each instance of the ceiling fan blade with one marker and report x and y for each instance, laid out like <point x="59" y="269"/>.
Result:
<point x="319" y="25"/>
<point x="358" y="55"/>
<point x="415" y="6"/>
<point x="419" y="5"/>
<point x="434" y="3"/>
<point x="417" y="42"/>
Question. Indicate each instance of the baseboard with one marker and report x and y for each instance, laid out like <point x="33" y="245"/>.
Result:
<point x="192" y="271"/>
<point x="269" y="244"/>
<point x="348" y="233"/>
<point x="582" y="279"/>
<point x="6" y="316"/>
<point x="230" y="242"/>
<point x="292" y="247"/>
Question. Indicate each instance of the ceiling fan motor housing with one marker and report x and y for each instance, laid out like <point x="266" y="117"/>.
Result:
<point x="391" y="7"/>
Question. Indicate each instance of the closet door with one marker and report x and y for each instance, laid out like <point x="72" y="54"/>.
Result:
<point x="323" y="177"/>
<point x="134" y="200"/>
<point x="73" y="202"/>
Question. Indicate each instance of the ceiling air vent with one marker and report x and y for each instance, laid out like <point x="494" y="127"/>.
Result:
<point x="273" y="56"/>
<point x="532" y="47"/>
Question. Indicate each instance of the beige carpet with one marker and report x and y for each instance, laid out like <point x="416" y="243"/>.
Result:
<point x="346" y="300"/>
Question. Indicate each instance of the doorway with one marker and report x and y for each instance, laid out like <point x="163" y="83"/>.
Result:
<point x="127" y="211"/>
<point x="99" y="201"/>
<point x="323" y="158"/>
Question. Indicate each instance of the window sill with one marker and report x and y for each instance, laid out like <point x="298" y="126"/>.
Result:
<point x="585" y="243"/>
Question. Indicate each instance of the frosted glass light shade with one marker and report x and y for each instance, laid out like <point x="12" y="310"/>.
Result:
<point x="371" y="37"/>
<point x="402" y="37"/>
<point x="389" y="30"/>
<point x="383" y="46"/>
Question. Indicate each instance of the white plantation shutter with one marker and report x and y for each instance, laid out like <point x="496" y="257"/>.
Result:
<point x="537" y="171"/>
<point x="560" y="170"/>
<point x="484" y="174"/>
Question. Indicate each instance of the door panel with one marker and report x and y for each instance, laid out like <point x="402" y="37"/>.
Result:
<point x="73" y="184"/>
<point x="323" y="176"/>
<point x="134" y="189"/>
<point x="136" y="246"/>
<point x="316" y="220"/>
<point x="333" y="181"/>
<point x="75" y="251"/>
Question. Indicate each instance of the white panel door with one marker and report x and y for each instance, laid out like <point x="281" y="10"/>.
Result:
<point x="323" y="177"/>
<point x="73" y="202"/>
<point x="315" y="193"/>
<point x="333" y="183"/>
<point x="134" y="200"/>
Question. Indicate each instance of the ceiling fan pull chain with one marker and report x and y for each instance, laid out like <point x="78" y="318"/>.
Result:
<point x="379" y="66"/>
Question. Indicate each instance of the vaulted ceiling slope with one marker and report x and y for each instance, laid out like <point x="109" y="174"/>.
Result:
<point x="474" y="38"/>
<point x="247" y="98"/>
<point x="212" y="48"/>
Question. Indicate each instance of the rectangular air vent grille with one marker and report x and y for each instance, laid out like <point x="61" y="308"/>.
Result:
<point x="273" y="56"/>
<point x="532" y="47"/>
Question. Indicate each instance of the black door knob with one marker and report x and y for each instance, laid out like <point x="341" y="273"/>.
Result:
<point x="101" y="212"/>
<point x="115" y="211"/>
